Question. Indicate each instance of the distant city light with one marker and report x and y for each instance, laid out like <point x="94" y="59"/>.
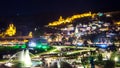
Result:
<point x="108" y="15"/>
<point x="100" y="14"/>
<point x="70" y="19"/>
<point x="35" y="29"/>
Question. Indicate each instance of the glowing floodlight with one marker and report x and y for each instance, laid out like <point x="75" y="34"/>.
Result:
<point x="102" y="45"/>
<point x="32" y="44"/>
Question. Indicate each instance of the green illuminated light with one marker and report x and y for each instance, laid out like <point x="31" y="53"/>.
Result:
<point x="44" y="47"/>
<point x="100" y="14"/>
<point x="23" y="46"/>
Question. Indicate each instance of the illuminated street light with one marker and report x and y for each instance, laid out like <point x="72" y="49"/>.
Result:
<point x="108" y="15"/>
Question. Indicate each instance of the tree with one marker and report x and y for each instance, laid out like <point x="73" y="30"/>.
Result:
<point x="109" y="64"/>
<point x="100" y="57"/>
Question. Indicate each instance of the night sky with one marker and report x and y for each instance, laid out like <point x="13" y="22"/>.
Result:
<point x="40" y="12"/>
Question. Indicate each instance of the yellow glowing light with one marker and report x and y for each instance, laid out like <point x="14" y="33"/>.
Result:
<point x="11" y="30"/>
<point x="1" y="34"/>
<point x="25" y="40"/>
<point x="117" y="23"/>
<point x="70" y="19"/>
<point x="30" y="34"/>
